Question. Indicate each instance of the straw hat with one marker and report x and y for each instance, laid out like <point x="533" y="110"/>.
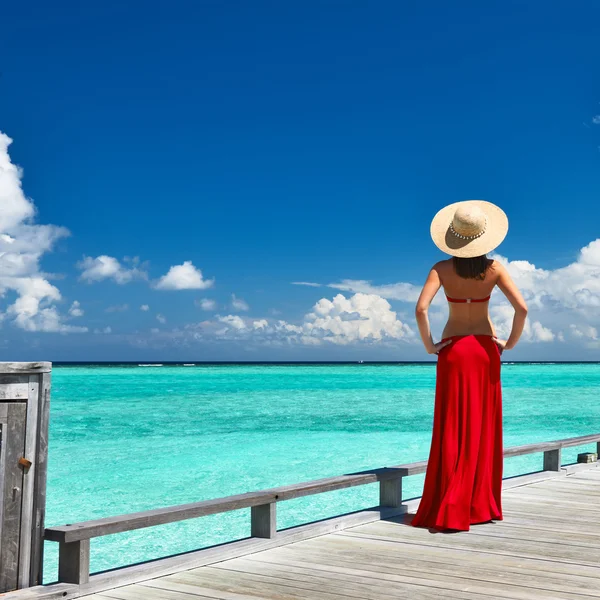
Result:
<point x="469" y="228"/>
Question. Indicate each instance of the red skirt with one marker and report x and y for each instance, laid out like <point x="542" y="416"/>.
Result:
<point x="463" y="482"/>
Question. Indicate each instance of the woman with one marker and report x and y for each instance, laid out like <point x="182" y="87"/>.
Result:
<point x="463" y="481"/>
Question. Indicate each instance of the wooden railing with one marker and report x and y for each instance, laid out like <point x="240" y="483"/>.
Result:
<point x="74" y="539"/>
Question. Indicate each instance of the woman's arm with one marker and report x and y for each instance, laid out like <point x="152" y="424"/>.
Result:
<point x="430" y="289"/>
<point x="510" y="290"/>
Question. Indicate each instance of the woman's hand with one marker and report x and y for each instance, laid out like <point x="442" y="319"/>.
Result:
<point x="435" y="349"/>
<point x="501" y="344"/>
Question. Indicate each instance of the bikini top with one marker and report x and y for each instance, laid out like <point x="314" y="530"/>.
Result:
<point x="468" y="300"/>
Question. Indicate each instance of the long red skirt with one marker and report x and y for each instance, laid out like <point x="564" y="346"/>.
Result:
<point x="463" y="482"/>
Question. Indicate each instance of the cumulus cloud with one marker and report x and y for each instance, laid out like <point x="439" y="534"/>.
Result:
<point x="76" y="310"/>
<point x="161" y="319"/>
<point x="22" y="244"/>
<point x="144" y="307"/>
<point x="238" y="304"/>
<point x="206" y="304"/>
<point x="107" y="267"/>
<point x="361" y="318"/>
<point x="184" y="277"/>
<point x="596" y="120"/>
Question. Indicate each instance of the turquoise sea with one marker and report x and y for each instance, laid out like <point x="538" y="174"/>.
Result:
<point x="131" y="438"/>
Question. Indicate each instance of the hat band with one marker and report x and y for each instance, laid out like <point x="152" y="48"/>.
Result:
<point x="468" y="237"/>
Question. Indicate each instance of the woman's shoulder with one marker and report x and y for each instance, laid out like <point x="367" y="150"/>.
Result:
<point x="442" y="265"/>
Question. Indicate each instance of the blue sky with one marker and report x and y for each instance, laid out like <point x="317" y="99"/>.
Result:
<point x="219" y="151"/>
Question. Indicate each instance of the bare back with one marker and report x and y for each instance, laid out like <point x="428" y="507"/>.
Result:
<point x="472" y="317"/>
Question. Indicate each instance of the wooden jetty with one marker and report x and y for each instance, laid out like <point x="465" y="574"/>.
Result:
<point x="547" y="547"/>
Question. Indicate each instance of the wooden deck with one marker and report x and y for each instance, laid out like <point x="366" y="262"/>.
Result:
<point x="547" y="547"/>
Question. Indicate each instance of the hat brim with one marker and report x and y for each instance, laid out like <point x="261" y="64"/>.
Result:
<point x="495" y="231"/>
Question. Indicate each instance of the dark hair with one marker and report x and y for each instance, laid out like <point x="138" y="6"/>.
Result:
<point x="471" y="268"/>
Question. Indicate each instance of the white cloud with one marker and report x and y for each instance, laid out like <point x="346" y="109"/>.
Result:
<point x="596" y="120"/>
<point x="238" y="304"/>
<point x="206" y="304"/>
<point x="161" y="319"/>
<point x="105" y="331"/>
<point x="584" y="331"/>
<point x="406" y="292"/>
<point x="307" y="283"/>
<point x="184" y="277"/>
<point x="22" y="244"/>
<point x="233" y="321"/>
<point x="362" y="318"/>
<point x="107" y="267"/>
<point x="76" y="310"/>
<point x="144" y="307"/>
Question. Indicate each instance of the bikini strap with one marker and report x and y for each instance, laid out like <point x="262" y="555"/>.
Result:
<point x="468" y="300"/>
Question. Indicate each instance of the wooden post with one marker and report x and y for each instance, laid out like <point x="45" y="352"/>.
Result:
<point x="552" y="460"/>
<point x="390" y="492"/>
<point x="24" y="411"/>
<point x="263" y="520"/>
<point x="74" y="562"/>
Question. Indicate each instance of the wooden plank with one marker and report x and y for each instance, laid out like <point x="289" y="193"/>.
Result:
<point x="25" y="367"/>
<point x="524" y="505"/>
<point x="137" y="592"/>
<point x="544" y="446"/>
<point x="399" y="553"/>
<point x="160" y="516"/>
<point x="390" y="492"/>
<point x="587" y="495"/>
<point x="576" y="467"/>
<point x="165" y="584"/>
<point x="552" y="460"/>
<point x="27" y="498"/>
<point x="353" y="560"/>
<point x="559" y="502"/>
<point x="39" y="504"/>
<point x="74" y="562"/>
<point x="13" y="442"/>
<point x="14" y="391"/>
<point x="494" y="545"/>
<point x="10" y="379"/>
<point x="263" y="522"/>
<point x="392" y="578"/>
<point x="56" y="591"/>
<point x="313" y="587"/>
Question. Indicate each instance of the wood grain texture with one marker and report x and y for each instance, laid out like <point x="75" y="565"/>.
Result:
<point x="25" y="367"/>
<point x="13" y="447"/>
<point x="27" y="499"/>
<point x="39" y="500"/>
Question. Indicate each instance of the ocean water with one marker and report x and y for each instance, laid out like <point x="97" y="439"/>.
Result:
<point x="130" y="438"/>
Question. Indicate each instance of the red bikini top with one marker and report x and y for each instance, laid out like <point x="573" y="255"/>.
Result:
<point x="468" y="300"/>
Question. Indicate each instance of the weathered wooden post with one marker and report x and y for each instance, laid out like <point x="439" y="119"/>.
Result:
<point x="24" y="415"/>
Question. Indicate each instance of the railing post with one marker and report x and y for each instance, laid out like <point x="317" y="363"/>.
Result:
<point x="552" y="460"/>
<point x="390" y="492"/>
<point x="74" y="562"/>
<point x="598" y="449"/>
<point x="263" y="520"/>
